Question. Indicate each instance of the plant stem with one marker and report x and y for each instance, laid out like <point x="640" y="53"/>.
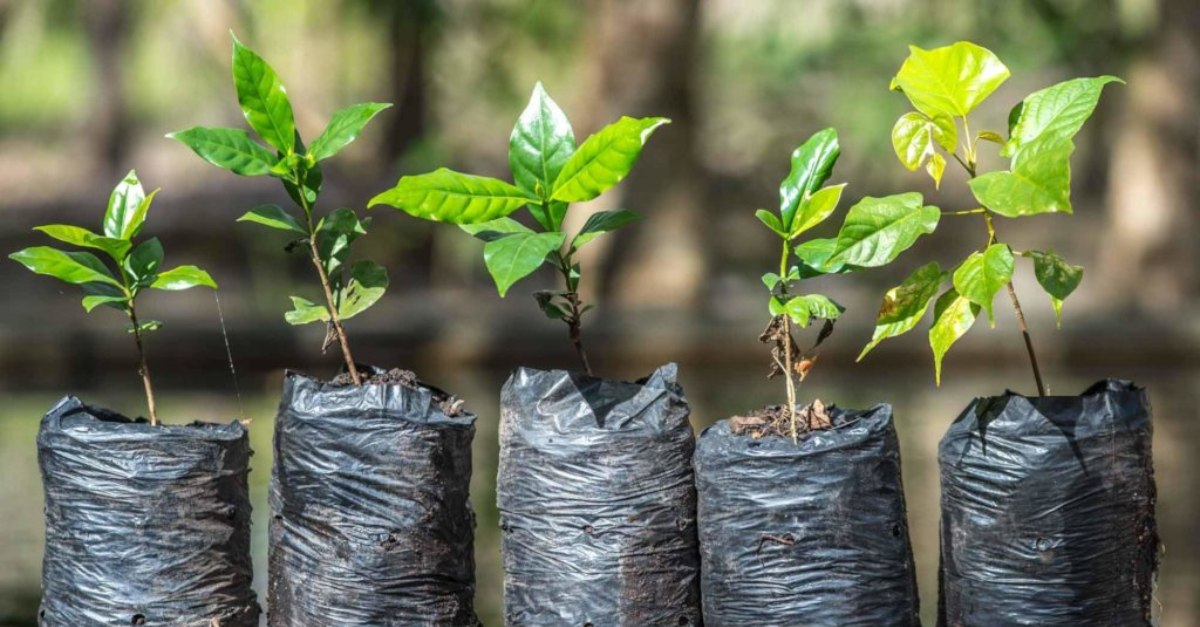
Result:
<point x="575" y="320"/>
<point x="143" y="368"/>
<point x="325" y="285"/>
<point x="787" y="345"/>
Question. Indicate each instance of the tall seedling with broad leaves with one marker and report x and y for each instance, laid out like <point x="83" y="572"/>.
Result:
<point x="875" y="232"/>
<point x="549" y="173"/>
<point x="138" y="266"/>
<point x="326" y="240"/>
<point x="945" y="85"/>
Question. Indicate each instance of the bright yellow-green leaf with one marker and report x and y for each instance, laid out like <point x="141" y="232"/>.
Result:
<point x="1039" y="182"/>
<point x="368" y="282"/>
<point x="916" y="136"/>
<point x="1056" y="113"/>
<point x="812" y="164"/>
<point x="182" y="278"/>
<point x="815" y="208"/>
<point x="877" y="230"/>
<point x="343" y="128"/>
<point x="263" y="98"/>
<point x="983" y="274"/>
<point x="936" y="168"/>
<point x="904" y="305"/>
<point x="953" y="316"/>
<point x="273" y="216"/>
<point x="306" y="311"/>
<point x="72" y="267"/>
<point x="992" y="136"/>
<point x="604" y="159"/>
<point x="229" y="148"/>
<point x="771" y="221"/>
<point x="951" y="80"/>
<point x="115" y="248"/>
<point x="449" y="196"/>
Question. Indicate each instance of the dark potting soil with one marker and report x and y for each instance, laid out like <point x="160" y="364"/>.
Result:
<point x="775" y="421"/>
<point x="449" y="405"/>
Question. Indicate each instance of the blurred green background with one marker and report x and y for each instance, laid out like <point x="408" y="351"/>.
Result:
<point x="89" y="88"/>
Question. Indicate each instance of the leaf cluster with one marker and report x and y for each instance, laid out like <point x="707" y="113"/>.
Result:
<point x="134" y="266"/>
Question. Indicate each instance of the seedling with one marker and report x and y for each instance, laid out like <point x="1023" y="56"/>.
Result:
<point x="326" y="240"/>
<point x="945" y="85"/>
<point x="138" y="267"/>
<point x="549" y="173"/>
<point x="875" y="232"/>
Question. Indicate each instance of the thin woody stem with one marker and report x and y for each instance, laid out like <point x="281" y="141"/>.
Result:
<point x="575" y="320"/>
<point x="143" y="368"/>
<point x="787" y="346"/>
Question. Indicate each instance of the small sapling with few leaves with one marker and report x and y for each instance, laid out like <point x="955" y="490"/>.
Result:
<point x="326" y="240"/>
<point x="945" y="85"/>
<point x="549" y="173"/>
<point x="138" y="266"/>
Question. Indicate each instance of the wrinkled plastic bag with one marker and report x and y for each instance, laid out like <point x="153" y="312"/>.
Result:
<point x="597" y="502"/>
<point x="371" y="520"/>
<point x="1048" y="511"/>
<point x="145" y="525"/>
<point x="812" y="534"/>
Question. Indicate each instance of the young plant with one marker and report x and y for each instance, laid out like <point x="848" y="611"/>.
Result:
<point x="945" y="85"/>
<point x="875" y="232"/>
<point x="549" y="173"/>
<point x="327" y="240"/>
<point x="138" y="267"/>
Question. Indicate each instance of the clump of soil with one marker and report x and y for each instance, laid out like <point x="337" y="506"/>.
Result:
<point x="775" y="420"/>
<point x="449" y="405"/>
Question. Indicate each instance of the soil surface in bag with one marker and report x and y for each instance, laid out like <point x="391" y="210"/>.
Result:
<point x="813" y="534"/>
<point x="145" y="525"/>
<point x="1048" y="511"/>
<point x="597" y="502"/>
<point x="371" y="521"/>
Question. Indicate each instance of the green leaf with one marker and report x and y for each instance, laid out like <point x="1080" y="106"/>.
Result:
<point x="541" y="143"/>
<point x="812" y="163"/>
<point x="72" y="267"/>
<point x="992" y="136"/>
<point x="335" y="234"/>
<point x="512" y="258"/>
<point x="904" y="305"/>
<point x="495" y="229"/>
<point x="916" y="136"/>
<point x="343" y="128"/>
<point x="1055" y="113"/>
<point x="273" y="216"/>
<point x="305" y="312"/>
<point x="115" y="248"/>
<point x="802" y="309"/>
<point x="951" y="80"/>
<point x="815" y="256"/>
<point x="146" y="325"/>
<point x="1039" y="182"/>
<point x="144" y="261"/>
<point x="115" y="300"/>
<point x="983" y="274"/>
<point x="368" y="282"/>
<point x="953" y="316"/>
<point x="604" y="159"/>
<point x="549" y="214"/>
<point x="263" y="98"/>
<point x="311" y="177"/>
<point x="127" y="207"/>
<point x="602" y="222"/>
<point x="877" y="230"/>
<point x="449" y="196"/>
<point x="1057" y="277"/>
<point x="772" y="222"/>
<point x="182" y="278"/>
<point x="229" y="148"/>
<point x="815" y="208"/>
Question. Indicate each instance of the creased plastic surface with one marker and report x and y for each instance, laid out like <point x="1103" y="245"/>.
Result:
<point x="813" y="534"/>
<point x="597" y="502"/>
<point x="145" y="525"/>
<point x="371" y="523"/>
<point x="1048" y="511"/>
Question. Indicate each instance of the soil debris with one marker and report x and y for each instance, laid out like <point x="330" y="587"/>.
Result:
<point x="449" y="405"/>
<point x="802" y="361"/>
<point x="774" y="420"/>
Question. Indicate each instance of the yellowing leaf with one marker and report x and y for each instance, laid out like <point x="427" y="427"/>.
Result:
<point x="951" y="80"/>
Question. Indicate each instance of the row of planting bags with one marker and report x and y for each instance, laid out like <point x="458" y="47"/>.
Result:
<point x="612" y="513"/>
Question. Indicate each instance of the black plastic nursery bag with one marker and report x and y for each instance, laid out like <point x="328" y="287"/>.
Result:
<point x="1048" y="511"/>
<point x="813" y="534"/>
<point x="371" y="523"/>
<point x="597" y="502"/>
<point x="145" y="525"/>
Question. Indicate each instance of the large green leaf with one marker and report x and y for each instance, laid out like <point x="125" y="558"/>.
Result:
<point x="229" y="148"/>
<point x="512" y="258"/>
<point x="127" y="207"/>
<point x="343" y="128"/>
<point x="951" y="80"/>
<point x="541" y="143"/>
<point x="916" y="137"/>
<point x="72" y="267"/>
<point x="263" y="98"/>
<point x="182" y="278"/>
<point x="812" y="163"/>
<point x="306" y="311"/>
<point x="273" y="216"/>
<point x="983" y="274"/>
<point x="368" y="282"/>
<point x="953" y="316"/>
<point x="1057" y="277"/>
<point x="144" y="261"/>
<point x="1039" y="182"/>
<point x="604" y="159"/>
<point x="115" y="248"/>
<point x="1055" y="113"/>
<point x="877" y="230"/>
<point x="449" y="196"/>
<point x="602" y="222"/>
<point x="815" y="208"/>
<point x="495" y="229"/>
<point x="904" y="305"/>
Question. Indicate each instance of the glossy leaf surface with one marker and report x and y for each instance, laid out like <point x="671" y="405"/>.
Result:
<point x="263" y="98"/>
<point x="1056" y="113"/>
<point x="877" y="230"/>
<point x="73" y="267"/>
<point x="273" y="216"/>
<point x="904" y="305"/>
<point x="229" y="148"/>
<point x="449" y="196"/>
<point x="953" y="316"/>
<point x="495" y="229"/>
<point x="74" y="235"/>
<point x="182" y="278"/>
<point x="604" y="159"/>
<point x="512" y="258"/>
<point x="983" y="274"/>
<point x="603" y="222"/>
<point x="812" y="164"/>
<point x="343" y="128"/>
<point x="816" y="208"/>
<point x="1039" y="182"/>
<point x="951" y="80"/>
<point x="916" y="137"/>
<point x="541" y="143"/>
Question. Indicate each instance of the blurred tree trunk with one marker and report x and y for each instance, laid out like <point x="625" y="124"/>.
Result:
<point x="1149" y="257"/>
<point x="643" y="60"/>
<point x="107" y="132"/>
<point x="410" y="32"/>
